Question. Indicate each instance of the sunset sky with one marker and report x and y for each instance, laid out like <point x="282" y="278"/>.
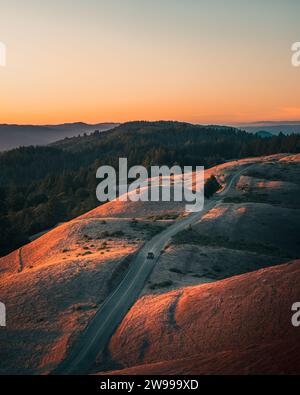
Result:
<point x="217" y="61"/>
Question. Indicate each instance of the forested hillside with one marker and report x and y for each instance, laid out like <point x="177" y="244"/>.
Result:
<point x="41" y="186"/>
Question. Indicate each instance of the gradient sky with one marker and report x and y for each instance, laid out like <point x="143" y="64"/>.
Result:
<point x="216" y="61"/>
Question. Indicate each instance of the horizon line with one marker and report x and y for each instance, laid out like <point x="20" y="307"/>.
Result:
<point x="250" y="123"/>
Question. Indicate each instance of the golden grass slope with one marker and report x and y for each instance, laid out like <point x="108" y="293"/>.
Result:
<point x="238" y="325"/>
<point x="53" y="286"/>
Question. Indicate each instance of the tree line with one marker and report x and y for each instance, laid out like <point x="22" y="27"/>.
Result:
<point x="41" y="186"/>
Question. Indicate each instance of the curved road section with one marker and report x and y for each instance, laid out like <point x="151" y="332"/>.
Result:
<point x="101" y="328"/>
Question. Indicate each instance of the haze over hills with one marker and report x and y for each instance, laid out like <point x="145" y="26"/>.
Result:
<point x="13" y="136"/>
<point x="273" y="127"/>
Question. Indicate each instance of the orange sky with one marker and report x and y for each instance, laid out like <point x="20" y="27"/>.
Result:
<point x="202" y="62"/>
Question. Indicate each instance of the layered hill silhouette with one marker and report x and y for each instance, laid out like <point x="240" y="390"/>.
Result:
<point x="272" y="128"/>
<point x="13" y="136"/>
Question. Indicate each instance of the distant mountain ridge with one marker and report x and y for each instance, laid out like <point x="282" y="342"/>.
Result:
<point x="14" y="136"/>
<point x="273" y="127"/>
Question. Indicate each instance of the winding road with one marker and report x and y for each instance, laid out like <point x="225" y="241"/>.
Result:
<point x="111" y="313"/>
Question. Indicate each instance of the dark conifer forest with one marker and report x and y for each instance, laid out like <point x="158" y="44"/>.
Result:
<point x="41" y="186"/>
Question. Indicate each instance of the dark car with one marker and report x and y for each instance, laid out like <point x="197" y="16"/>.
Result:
<point x="150" y="255"/>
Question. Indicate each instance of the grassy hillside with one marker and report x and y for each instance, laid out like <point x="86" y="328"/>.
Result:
<point x="214" y="328"/>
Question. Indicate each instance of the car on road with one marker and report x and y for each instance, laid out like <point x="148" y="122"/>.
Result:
<point x="150" y="255"/>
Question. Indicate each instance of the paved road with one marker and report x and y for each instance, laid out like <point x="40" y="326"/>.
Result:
<point x="111" y="313"/>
